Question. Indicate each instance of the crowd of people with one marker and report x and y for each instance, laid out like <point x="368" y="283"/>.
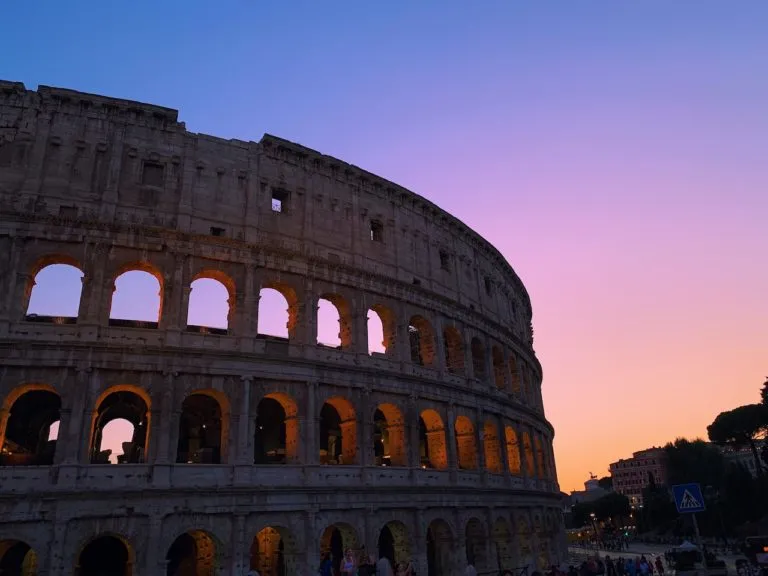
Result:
<point x="597" y="566"/>
<point x="363" y="565"/>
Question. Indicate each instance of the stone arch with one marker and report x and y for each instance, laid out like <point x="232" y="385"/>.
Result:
<point x="530" y="465"/>
<point x="466" y="444"/>
<point x="394" y="543"/>
<point x="389" y="436"/>
<point x="524" y="540"/>
<point x="433" y="450"/>
<point x="17" y="558"/>
<point x="146" y="268"/>
<point x="59" y="273"/>
<point x="492" y="447"/>
<point x="499" y="373"/>
<point x="292" y="310"/>
<point x="274" y="552"/>
<point x="203" y="428"/>
<point x="441" y="549"/>
<point x="276" y="433"/>
<point x="454" y="349"/>
<point x="195" y="552"/>
<point x="105" y="553"/>
<point x="421" y="337"/>
<point x="228" y="285"/>
<point x="502" y="542"/>
<point x="128" y="403"/>
<point x="29" y="414"/>
<point x="475" y="545"/>
<point x="337" y="538"/>
<point x="514" y="376"/>
<point x="338" y="432"/>
<point x="478" y="359"/>
<point x="387" y="319"/>
<point x="344" y="313"/>
<point x="513" y="450"/>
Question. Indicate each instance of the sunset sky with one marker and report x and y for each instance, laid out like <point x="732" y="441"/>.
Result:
<point x="615" y="152"/>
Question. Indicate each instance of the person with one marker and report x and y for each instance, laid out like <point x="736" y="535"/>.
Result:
<point x="383" y="567"/>
<point x="470" y="570"/>
<point x="252" y="572"/>
<point x="367" y="566"/>
<point x="659" y="566"/>
<point x="348" y="565"/>
<point x="326" y="566"/>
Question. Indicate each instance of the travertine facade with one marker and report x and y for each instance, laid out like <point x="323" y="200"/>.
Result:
<point x="254" y="451"/>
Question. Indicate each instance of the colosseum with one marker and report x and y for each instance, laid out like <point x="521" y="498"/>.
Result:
<point x="249" y="450"/>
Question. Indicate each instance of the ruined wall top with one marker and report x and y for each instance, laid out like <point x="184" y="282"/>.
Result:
<point x="90" y="157"/>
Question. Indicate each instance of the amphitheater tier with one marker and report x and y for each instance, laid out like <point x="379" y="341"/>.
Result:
<point x="249" y="450"/>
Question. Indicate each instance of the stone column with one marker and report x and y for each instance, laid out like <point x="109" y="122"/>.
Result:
<point x="9" y="305"/>
<point x="240" y="563"/>
<point x="244" y="452"/>
<point x="154" y="562"/>
<point x="440" y="364"/>
<point x="57" y="550"/>
<point x="360" y="330"/>
<point x="307" y="317"/>
<point x="246" y="315"/>
<point x="412" y="419"/>
<point x="489" y="368"/>
<point x="175" y="300"/>
<point x="71" y="423"/>
<point x="419" y="549"/>
<point x="364" y="436"/>
<point x="163" y="424"/>
<point x="503" y="449"/>
<point x="450" y="429"/>
<point x="480" y="439"/>
<point x="309" y="426"/>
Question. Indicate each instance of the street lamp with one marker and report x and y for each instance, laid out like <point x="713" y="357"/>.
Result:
<point x="594" y="525"/>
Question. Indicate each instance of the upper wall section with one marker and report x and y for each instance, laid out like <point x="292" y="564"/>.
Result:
<point x="76" y="155"/>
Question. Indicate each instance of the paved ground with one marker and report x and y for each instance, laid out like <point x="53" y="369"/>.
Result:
<point x="576" y="554"/>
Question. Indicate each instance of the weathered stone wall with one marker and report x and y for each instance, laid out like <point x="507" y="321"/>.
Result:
<point x="108" y="186"/>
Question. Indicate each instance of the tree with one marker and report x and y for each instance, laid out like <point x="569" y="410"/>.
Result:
<point x="740" y="427"/>
<point x="694" y="461"/>
<point x="606" y="483"/>
<point x="764" y="393"/>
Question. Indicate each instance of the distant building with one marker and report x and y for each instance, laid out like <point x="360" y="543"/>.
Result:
<point x="744" y="457"/>
<point x="630" y="476"/>
<point x="592" y="491"/>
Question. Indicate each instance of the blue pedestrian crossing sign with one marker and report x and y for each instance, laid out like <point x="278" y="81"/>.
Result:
<point x="688" y="498"/>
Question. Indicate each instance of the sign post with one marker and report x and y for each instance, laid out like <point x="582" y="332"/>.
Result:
<point x="689" y="500"/>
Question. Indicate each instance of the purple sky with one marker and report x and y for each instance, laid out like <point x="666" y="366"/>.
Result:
<point x="615" y="152"/>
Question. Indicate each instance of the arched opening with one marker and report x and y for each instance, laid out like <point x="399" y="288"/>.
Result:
<point x="540" y="463"/>
<point x="499" y="373"/>
<point x="120" y="428"/>
<point x="375" y="329"/>
<point x="502" y="545"/>
<point x="17" y="558"/>
<point x="513" y="450"/>
<point x="478" y="359"/>
<point x="273" y="552"/>
<point x="433" y="451"/>
<point x="211" y="303"/>
<point x="335" y="540"/>
<point x="381" y="330"/>
<point x="137" y="299"/>
<point x="334" y="325"/>
<point x="440" y="549"/>
<point x="192" y="553"/>
<point x="475" y="546"/>
<point x="422" y="341"/>
<point x="103" y="555"/>
<point x="276" y="437"/>
<point x="27" y="438"/>
<point x="530" y="467"/>
<point x="492" y="448"/>
<point x="514" y="375"/>
<point x="394" y="544"/>
<point x="454" y="350"/>
<point x="200" y="430"/>
<point x="278" y="311"/>
<point x="466" y="447"/>
<point x="338" y="432"/>
<point x="389" y="436"/>
<point x="54" y="294"/>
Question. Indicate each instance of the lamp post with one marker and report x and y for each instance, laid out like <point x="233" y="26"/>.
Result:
<point x="594" y="525"/>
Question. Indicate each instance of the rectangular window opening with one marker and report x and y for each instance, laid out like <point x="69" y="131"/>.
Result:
<point x="487" y="285"/>
<point x="68" y="211"/>
<point x="153" y="174"/>
<point x="445" y="261"/>
<point x="216" y="231"/>
<point x="279" y="200"/>
<point x="377" y="231"/>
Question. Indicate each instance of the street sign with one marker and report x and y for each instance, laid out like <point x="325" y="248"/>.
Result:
<point x="688" y="498"/>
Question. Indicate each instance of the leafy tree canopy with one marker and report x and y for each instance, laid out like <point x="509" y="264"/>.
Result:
<point x="694" y="461"/>
<point x="606" y="483"/>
